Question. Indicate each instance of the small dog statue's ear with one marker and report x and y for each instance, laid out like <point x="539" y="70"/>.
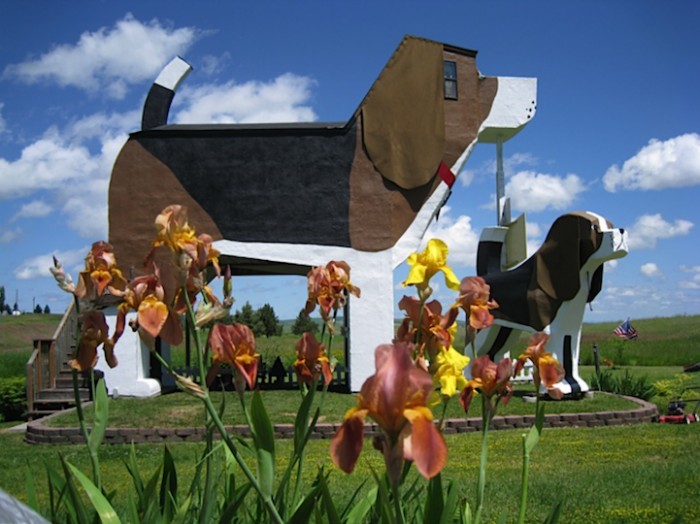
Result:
<point x="558" y="261"/>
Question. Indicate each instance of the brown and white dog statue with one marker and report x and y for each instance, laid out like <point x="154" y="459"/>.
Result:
<point x="549" y="291"/>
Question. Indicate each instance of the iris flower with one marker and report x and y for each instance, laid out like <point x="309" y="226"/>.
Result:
<point x="101" y="273"/>
<point x="235" y="345"/>
<point x="425" y="265"/>
<point x="395" y="398"/>
<point x="312" y="360"/>
<point x="447" y="369"/>
<point x="474" y="299"/>
<point x="490" y="380"/>
<point x="93" y="333"/>
<point x="328" y="287"/>
<point x="146" y="296"/>
<point x="435" y="332"/>
<point x="547" y="369"/>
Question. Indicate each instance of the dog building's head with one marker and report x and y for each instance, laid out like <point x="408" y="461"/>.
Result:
<point x="575" y="249"/>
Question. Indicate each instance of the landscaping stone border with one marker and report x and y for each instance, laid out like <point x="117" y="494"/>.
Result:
<point x="38" y="433"/>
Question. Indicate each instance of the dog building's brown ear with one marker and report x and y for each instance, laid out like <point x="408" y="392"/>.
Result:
<point x="403" y="116"/>
<point x="558" y="261"/>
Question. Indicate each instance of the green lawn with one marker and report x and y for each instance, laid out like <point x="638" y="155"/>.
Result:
<point x="625" y="474"/>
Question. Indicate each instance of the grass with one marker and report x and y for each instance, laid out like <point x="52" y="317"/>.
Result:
<point x="17" y="336"/>
<point x="602" y="474"/>
<point x="181" y="410"/>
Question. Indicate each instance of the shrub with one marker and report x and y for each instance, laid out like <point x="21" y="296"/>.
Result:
<point x="13" y="397"/>
<point x="627" y="384"/>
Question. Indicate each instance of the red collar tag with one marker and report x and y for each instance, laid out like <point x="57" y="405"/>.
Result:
<point x="446" y="174"/>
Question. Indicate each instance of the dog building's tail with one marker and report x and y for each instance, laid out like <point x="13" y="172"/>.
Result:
<point x="157" y="105"/>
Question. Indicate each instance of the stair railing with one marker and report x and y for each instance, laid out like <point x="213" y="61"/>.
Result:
<point x="49" y="355"/>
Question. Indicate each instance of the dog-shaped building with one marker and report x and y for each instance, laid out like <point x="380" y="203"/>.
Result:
<point x="279" y="198"/>
<point x="548" y="291"/>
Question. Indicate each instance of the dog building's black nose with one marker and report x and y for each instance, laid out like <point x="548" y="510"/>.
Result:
<point x="622" y="230"/>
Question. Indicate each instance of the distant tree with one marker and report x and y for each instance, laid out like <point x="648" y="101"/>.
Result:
<point x="38" y="309"/>
<point x="270" y="323"/>
<point x="8" y="309"/>
<point x="248" y="316"/>
<point x="304" y="324"/>
<point x="2" y="298"/>
<point x="47" y="311"/>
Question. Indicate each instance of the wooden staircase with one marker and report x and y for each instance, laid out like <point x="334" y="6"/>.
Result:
<point x="49" y="376"/>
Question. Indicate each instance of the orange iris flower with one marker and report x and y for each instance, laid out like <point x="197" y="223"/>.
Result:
<point x="146" y="296"/>
<point x="474" y="299"/>
<point x="100" y="274"/>
<point x="327" y="287"/>
<point x="435" y="332"/>
<point x="490" y="380"/>
<point x="235" y="345"/>
<point x="547" y="369"/>
<point x="312" y="360"/>
<point x="93" y="333"/>
<point x="395" y="398"/>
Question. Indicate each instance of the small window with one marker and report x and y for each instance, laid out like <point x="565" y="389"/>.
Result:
<point x="450" y="69"/>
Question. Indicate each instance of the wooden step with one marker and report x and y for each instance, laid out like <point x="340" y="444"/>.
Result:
<point x="62" y="394"/>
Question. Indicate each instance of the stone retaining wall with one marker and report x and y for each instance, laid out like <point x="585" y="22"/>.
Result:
<point x="39" y="433"/>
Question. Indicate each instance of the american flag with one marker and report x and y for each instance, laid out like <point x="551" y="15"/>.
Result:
<point x="626" y="331"/>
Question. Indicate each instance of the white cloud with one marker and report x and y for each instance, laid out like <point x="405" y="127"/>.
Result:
<point x="109" y="58"/>
<point x="45" y="164"/>
<point x="8" y="235"/>
<point x="532" y="192"/>
<point x="694" y="281"/>
<point x="659" y="165"/>
<point x="611" y="265"/>
<point x="3" y="125"/>
<point x="651" y="270"/>
<point x="488" y="168"/>
<point x="38" y="267"/>
<point x="33" y="209"/>
<point x="281" y="100"/>
<point x="459" y="235"/>
<point x="648" y="229"/>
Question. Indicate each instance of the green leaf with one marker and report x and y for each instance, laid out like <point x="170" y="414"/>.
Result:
<point x="434" y="502"/>
<point x="73" y="502"/>
<point x="264" y="438"/>
<point x="331" y="511"/>
<point x="168" y="485"/>
<point x="361" y="509"/>
<point x="450" y="508"/>
<point x="101" y="415"/>
<point x="554" y="515"/>
<point x="104" y="509"/>
<point x="467" y="517"/>
<point x="133" y="469"/>
<point x="533" y="437"/>
<point x="32" y="500"/>
<point x="301" y="422"/>
<point x="303" y="511"/>
<point x="234" y="503"/>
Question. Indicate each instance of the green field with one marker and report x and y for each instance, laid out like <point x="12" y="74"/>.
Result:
<point x="628" y="474"/>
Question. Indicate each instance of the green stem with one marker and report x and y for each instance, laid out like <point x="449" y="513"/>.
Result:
<point x="211" y="410"/>
<point x="486" y="420"/>
<point x="94" y="459"/>
<point x="526" y="470"/>
<point x="397" y="503"/>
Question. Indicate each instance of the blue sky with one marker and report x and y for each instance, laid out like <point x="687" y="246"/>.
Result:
<point x="617" y="129"/>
